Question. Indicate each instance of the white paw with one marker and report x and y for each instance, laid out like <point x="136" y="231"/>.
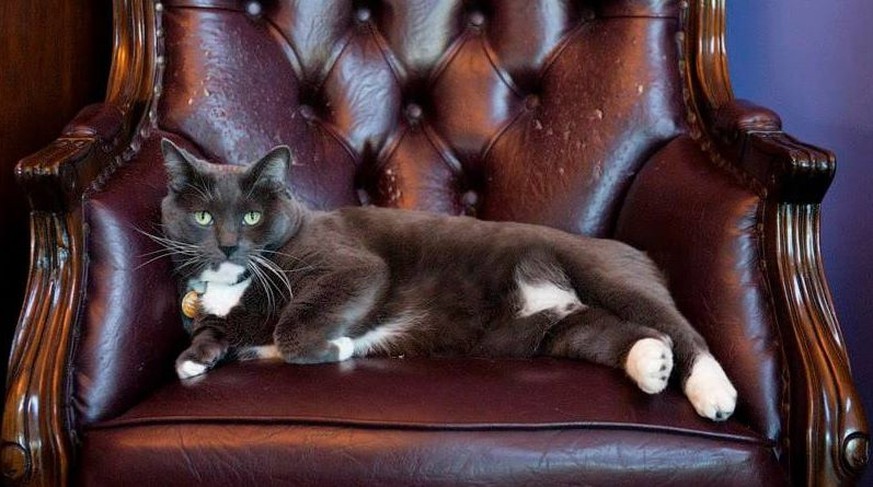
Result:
<point x="188" y="369"/>
<point x="345" y="347"/>
<point x="649" y="364"/>
<point x="709" y="390"/>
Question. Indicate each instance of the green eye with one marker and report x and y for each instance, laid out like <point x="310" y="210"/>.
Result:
<point x="203" y="218"/>
<point x="252" y="218"/>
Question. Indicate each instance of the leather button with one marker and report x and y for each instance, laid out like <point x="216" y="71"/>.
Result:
<point x="414" y="112"/>
<point x="531" y="102"/>
<point x="363" y="14"/>
<point x="477" y="19"/>
<point x="469" y="199"/>
<point x="254" y="8"/>
<point x="307" y="112"/>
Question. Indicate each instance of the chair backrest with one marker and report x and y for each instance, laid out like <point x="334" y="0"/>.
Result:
<point x="537" y="111"/>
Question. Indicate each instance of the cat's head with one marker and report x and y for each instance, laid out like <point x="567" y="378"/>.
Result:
<point x="216" y="214"/>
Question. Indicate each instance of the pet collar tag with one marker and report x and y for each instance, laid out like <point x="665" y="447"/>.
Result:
<point x="191" y="304"/>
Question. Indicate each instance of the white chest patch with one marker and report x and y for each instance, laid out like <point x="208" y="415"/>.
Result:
<point x="223" y="292"/>
<point x="539" y="296"/>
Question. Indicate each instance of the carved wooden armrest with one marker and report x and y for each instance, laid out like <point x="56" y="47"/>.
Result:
<point x="752" y="138"/>
<point x="828" y="429"/>
<point x="56" y="176"/>
<point x="829" y="434"/>
<point x="34" y="420"/>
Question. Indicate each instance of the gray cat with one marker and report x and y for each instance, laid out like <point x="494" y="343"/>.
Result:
<point x="279" y="280"/>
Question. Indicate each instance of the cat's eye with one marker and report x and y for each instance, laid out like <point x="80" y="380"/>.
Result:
<point x="252" y="218"/>
<point x="203" y="218"/>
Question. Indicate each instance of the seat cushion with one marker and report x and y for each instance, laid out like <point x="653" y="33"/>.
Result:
<point x="420" y="422"/>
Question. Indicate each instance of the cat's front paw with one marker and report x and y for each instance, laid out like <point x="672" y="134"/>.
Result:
<point x="197" y="360"/>
<point x="188" y="368"/>
<point x="345" y="348"/>
<point x="649" y="363"/>
<point x="709" y="390"/>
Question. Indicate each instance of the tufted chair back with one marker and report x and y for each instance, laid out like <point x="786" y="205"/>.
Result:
<point x="536" y="111"/>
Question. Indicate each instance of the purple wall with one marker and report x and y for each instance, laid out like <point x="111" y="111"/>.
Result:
<point x="812" y="62"/>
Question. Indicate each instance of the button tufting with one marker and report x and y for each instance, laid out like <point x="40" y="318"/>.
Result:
<point x="414" y="112"/>
<point x="531" y="102"/>
<point x="254" y="8"/>
<point x="363" y="14"/>
<point x="477" y="19"/>
<point x="307" y="112"/>
<point x="469" y="199"/>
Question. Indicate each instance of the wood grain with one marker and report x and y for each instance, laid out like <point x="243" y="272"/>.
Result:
<point x="55" y="59"/>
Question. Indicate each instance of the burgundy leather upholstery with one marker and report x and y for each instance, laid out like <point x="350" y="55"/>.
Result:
<point x="558" y="113"/>
<point x="434" y="422"/>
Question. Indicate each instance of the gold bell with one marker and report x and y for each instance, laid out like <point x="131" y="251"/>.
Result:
<point x="191" y="304"/>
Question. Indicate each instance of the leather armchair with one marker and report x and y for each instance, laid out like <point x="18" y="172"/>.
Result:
<point x="611" y="118"/>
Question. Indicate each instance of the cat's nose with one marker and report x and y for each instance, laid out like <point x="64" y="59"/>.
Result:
<point x="228" y="250"/>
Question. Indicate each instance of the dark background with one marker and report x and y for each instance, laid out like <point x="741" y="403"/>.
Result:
<point x="810" y="60"/>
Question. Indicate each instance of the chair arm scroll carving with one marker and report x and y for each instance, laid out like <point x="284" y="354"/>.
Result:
<point x="828" y="426"/>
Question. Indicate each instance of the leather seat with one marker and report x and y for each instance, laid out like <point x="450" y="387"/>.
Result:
<point x="608" y="118"/>
<point x="424" y="421"/>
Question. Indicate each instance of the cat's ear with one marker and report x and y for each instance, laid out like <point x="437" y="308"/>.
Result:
<point x="180" y="169"/>
<point x="272" y="169"/>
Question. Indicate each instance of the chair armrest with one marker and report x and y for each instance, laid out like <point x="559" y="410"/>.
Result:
<point x="738" y="232"/>
<point x="752" y="139"/>
<point x="35" y="417"/>
<point x="738" y="116"/>
<point x="56" y="176"/>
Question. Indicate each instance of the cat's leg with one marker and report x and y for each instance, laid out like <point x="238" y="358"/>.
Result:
<point x="702" y="377"/>
<point x="312" y="327"/>
<point x="598" y="336"/>
<point x="208" y="346"/>
<point x="629" y="285"/>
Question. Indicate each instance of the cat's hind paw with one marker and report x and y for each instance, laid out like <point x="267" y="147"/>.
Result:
<point x="709" y="390"/>
<point x="649" y="363"/>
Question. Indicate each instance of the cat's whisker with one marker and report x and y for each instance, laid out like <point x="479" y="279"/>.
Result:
<point x="283" y="285"/>
<point x="264" y="283"/>
<point x="169" y="251"/>
<point x="198" y="263"/>
<point x="276" y="271"/>
<point x="169" y="243"/>
<point x="169" y="248"/>
<point x="155" y="258"/>
<point x="269" y="284"/>
<point x="283" y="254"/>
